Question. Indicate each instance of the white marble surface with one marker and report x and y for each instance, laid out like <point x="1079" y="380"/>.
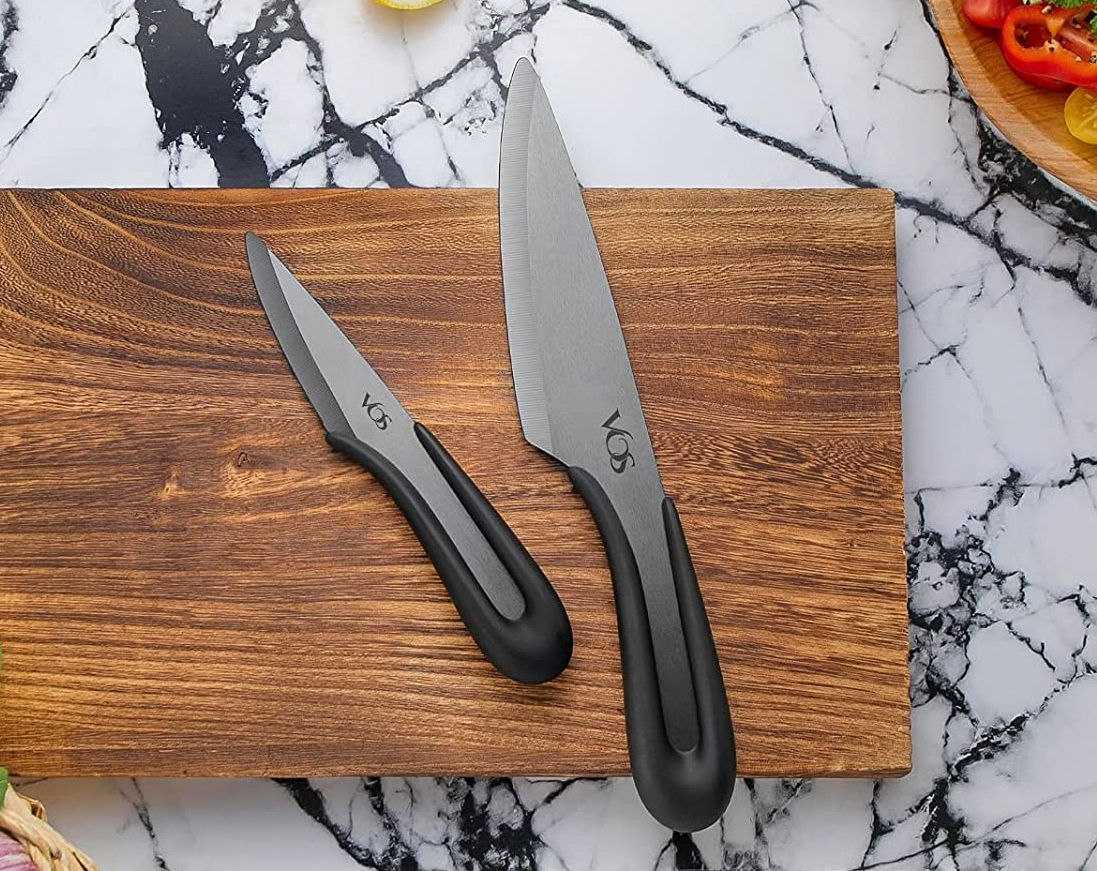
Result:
<point x="999" y="370"/>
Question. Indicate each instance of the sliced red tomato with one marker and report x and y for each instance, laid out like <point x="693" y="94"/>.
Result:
<point x="989" y="13"/>
<point x="1076" y="36"/>
<point x="1046" y="42"/>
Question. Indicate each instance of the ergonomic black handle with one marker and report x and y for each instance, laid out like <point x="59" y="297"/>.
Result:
<point x="533" y="647"/>
<point x="685" y="790"/>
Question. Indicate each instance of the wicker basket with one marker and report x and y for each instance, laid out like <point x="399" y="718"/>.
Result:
<point x="25" y="820"/>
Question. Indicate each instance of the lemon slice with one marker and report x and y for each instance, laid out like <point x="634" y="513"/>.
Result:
<point x="1081" y="115"/>
<point x="407" y="4"/>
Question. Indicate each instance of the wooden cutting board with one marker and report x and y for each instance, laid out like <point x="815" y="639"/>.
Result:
<point x="192" y="582"/>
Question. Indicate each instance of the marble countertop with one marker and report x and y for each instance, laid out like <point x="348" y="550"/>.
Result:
<point x="998" y="322"/>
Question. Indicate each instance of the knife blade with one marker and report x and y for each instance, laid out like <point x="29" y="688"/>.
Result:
<point x="507" y="604"/>
<point x="578" y="402"/>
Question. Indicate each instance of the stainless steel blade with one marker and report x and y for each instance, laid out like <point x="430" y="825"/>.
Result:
<point x="577" y="398"/>
<point x="350" y="397"/>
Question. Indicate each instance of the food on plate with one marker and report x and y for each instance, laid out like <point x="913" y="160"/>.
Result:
<point x="989" y="13"/>
<point x="1049" y="45"/>
<point x="1081" y="115"/>
<point x="407" y="4"/>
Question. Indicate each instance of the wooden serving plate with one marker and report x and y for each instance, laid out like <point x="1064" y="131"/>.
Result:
<point x="1030" y="118"/>
<point x="192" y="582"/>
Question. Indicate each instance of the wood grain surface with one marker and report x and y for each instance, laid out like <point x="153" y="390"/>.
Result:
<point x="192" y="582"/>
<point x="1030" y="118"/>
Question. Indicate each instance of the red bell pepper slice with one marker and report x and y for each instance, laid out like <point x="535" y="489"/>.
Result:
<point x="1047" y="42"/>
<point x="1043" y="82"/>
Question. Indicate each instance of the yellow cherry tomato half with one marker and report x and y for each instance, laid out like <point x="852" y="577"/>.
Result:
<point x="407" y="4"/>
<point x="1081" y="115"/>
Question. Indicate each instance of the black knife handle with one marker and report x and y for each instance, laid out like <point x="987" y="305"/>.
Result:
<point x="684" y="790"/>
<point x="531" y="648"/>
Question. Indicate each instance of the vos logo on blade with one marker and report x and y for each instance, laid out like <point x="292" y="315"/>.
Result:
<point x="618" y="444"/>
<point x="376" y="412"/>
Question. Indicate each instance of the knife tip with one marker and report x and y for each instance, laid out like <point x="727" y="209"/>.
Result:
<point x="522" y="67"/>
<point x="254" y="245"/>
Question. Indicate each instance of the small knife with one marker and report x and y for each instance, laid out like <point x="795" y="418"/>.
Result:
<point x="507" y="604"/>
<point x="577" y="401"/>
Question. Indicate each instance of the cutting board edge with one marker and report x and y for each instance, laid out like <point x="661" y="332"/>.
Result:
<point x="187" y="193"/>
<point x="73" y="764"/>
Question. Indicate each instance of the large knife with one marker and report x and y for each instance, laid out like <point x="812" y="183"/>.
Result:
<point x="578" y="403"/>
<point x="507" y="604"/>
